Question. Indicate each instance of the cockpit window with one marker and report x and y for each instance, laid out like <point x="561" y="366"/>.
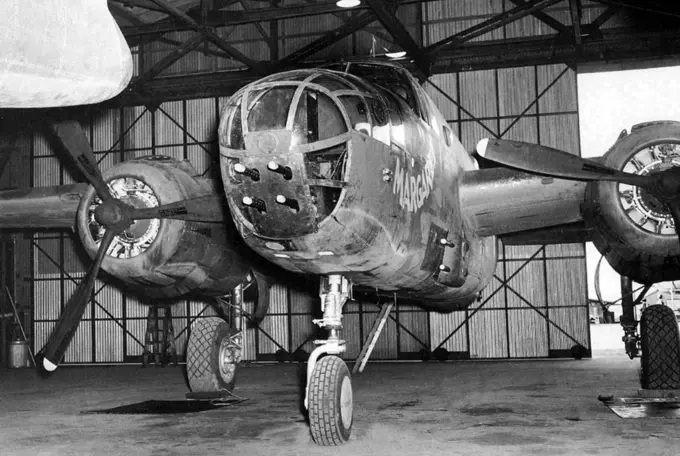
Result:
<point x="332" y="83"/>
<point x="233" y="137"/>
<point x="316" y="118"/>
<point x="357" y="112"/>
<point x="270" y="110"/>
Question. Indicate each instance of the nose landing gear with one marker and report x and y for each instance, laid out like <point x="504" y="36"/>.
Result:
<point x="329" y="396"/>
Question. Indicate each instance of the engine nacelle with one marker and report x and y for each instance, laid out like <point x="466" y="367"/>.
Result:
<point x="631" y="228"/>
<point x="165" y="257"/>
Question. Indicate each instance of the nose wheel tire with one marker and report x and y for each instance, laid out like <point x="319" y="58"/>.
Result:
<point x="212" y="355"/>
<point x="331" y="402"/>
<point x="660" y="341"/>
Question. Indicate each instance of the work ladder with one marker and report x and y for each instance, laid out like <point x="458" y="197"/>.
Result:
<point x="159" y="342"/>
<point x="373" y="337"/>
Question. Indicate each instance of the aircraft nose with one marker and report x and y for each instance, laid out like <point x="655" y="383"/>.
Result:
<point x="286" y="141"/>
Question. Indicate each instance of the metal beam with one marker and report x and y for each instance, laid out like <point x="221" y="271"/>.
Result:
<point x="575" y="11"/>
<point x="491" y="24"/>
<point x="665" y="8"/>
<point x="210" y="35"/>
<point x="219" y="18"/>
<point x="387" y="17"/>
<point x="543" y="17"/>
<point x="166" y="61"/>
<point x="328" y="39"/>
<point x="614" y="45"/>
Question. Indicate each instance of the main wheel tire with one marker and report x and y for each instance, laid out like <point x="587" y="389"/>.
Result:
<point x="210" y="363"/>
<point x="660" y="348"/>
<point x="331" y="402"/>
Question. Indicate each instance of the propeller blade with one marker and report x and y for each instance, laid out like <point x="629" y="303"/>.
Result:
<point x="73" y="312"/>
<point x="538" y="159"/>
<point x="72" y="136"/>
<point x="208" y="208"/>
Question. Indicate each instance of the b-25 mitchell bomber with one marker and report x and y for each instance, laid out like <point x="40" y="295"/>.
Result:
<point x="351" y="174"/>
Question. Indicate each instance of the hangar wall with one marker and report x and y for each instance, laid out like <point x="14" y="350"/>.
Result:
<point x="536" y="305"/>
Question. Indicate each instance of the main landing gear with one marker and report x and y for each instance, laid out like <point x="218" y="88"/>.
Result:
<point x="329" y="396"/>
<point x="213" y="352"/>
<point x="658" y="343"/>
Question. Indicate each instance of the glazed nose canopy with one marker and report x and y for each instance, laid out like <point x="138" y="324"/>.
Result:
<point x="287" y="159"/>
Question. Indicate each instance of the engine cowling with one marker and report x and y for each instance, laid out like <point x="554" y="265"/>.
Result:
<point x="631" y="228"/>
<point x="165" y="257"/>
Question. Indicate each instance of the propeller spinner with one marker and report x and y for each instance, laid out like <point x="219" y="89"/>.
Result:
<point x="115" y="217"/>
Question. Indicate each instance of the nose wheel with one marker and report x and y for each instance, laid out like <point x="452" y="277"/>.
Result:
<point x="331" y="402"/>
<point x="329" y="397"/>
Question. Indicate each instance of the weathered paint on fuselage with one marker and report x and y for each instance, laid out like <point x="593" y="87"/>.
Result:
<point x="399" y="201"/>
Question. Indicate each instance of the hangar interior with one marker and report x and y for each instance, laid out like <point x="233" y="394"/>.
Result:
<point x="495" y="68"/>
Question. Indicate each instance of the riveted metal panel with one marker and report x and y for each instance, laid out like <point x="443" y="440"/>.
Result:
<point x="449" y="331"/>
<point x="488" y="334"/>
<point x="528" y="334"/>
<point x="571" y="326"/>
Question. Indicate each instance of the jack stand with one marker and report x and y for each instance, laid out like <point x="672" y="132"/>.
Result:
<point x="372" y="338"/>
<point x="334" y="293"/>
<point x="631" y="339"/>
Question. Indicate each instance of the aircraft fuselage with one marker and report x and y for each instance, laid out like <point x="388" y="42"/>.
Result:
<point x="328" y="173"/>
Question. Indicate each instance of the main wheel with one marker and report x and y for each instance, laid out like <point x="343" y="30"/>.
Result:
<point x="660" y="348"/>
<point x="331" y="402"/>
<point x="212" y="355"/>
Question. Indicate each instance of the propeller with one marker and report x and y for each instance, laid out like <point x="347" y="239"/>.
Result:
<point x="537" y="159"/>
<point x="115" y="216"/>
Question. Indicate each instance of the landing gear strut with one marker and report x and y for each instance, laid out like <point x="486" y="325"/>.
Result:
<point x="329" y="396"/>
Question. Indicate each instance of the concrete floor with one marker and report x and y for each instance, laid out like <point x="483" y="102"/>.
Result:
<point x="470" y="408"/>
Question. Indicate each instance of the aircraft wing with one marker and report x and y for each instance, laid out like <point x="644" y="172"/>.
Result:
<point x="55" y="53"/>
<point x="502" y="201"/>
<point x="38" y="208"/>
